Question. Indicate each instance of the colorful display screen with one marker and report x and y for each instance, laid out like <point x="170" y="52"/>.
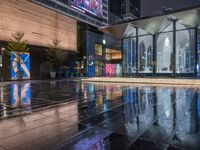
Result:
<point x="113" y="70"/>
<point x="93" y="7"/>
<point x="20" y="62"/>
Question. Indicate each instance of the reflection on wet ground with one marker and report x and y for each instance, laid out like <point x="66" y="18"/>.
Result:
<point x="87" y="116"/>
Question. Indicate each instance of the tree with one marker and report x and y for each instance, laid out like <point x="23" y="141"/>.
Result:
<point x="51" y="52"/>
<point x="17" y="44"/>
<point x="52" y="58"/>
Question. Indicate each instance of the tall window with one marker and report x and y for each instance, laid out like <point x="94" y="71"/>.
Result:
<point x="129" y="55"/>
<point x="185" y="51"/>
<point x="145" y="54"/>
<point x="165" y="52"/>
<point x="198" y="53"/>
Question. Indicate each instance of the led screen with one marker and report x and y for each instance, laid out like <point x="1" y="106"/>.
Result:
<point x="20" y="65"/>
<point x="88" y="6"/>
<point x="113" y="70"/>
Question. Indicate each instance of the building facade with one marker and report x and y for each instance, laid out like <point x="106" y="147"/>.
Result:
<point x="166" y="45"/>
<point x="82" y="50"/>
<point x="74" y="9"/>
<point x="40" y="27"/>
<point x="100" y="53"/>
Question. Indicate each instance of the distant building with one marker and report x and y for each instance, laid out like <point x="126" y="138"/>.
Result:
<point x="123" y="10"/>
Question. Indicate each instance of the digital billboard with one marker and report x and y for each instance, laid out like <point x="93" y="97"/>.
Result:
<point x="93" y="7"/>
<point x="113" y="70"/>
<point x="23" y="66"/>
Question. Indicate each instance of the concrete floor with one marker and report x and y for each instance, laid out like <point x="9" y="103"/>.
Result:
<point x="79" y="115"/>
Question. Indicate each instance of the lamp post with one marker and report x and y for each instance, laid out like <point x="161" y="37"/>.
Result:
<point x="103" y="56"/>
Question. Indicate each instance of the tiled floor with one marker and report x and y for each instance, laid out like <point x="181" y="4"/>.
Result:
<point x="80" y="116"/>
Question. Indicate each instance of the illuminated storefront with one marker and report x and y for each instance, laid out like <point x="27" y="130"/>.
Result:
<point x="104" y="55"/>
<point x="165" y="45"/>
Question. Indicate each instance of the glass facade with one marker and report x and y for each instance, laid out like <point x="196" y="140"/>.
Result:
<point x="198" y="53"/>
<point x="164" y="53"/>
<point x="129" y="55"/>
<point x="145" y="54"/>
<point x="185" y="51"/>
<point x="172" y="51"/>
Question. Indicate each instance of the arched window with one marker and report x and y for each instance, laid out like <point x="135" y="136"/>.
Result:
<point x="165" y="52"/>
<point x="185" y="49"/>
<point x="145" y="54"/>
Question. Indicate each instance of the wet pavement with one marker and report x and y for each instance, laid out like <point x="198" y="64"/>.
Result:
<point x="96" y="116"/>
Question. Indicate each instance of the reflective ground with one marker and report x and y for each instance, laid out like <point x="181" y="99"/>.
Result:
<point x="73" y="115"/>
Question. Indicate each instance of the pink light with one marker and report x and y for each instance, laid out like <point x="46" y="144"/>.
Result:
<point x="110" y="70"/>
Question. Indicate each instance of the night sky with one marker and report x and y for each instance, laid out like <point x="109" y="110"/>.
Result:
<point x="153" y="7"/>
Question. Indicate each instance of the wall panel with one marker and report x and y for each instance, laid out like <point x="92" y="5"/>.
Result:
<point x="39" y="24"/>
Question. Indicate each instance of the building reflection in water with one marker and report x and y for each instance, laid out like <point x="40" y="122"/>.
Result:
<point x="20" y="95"/>
<point x="95" y="140"/>
<point x="176" y="113"/>
<point x="138" y="112"/>
<point x="4" y="114"/>
<point x="159" y="113"/>
<point x="101" y="95"/>
<point x="198" y="106"/>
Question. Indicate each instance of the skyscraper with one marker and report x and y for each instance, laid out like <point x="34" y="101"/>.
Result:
<point x="123" y="10"/>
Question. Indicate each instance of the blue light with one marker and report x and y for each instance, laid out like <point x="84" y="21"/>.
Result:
<point x="24" y="65"/>
<point x="20" y="94"/>
<point x="198" y="106"/>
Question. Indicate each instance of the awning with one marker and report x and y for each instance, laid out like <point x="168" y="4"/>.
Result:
<point x="115" y="30"/>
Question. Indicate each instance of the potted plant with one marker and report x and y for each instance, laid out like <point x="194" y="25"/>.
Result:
<point x="52" y="57"/>
<point x="17" y="45"/>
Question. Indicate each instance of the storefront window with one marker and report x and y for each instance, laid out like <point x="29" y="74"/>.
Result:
<point x="98" y="68"/>
<point x="171" y="58"/>
<point x="145" y="54"/>
<point x="198" y="53"/>
<point x="98" y="50"/>
<point x="185" y="51"/>
<point x="165" y="52"/>
<point x="129" y="55"/>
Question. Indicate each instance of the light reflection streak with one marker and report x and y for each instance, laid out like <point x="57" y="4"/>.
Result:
<point x="1" y="101"/>
<point x="20" y="95"/>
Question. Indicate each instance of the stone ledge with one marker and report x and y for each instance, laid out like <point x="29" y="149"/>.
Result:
<point x="144" y="80"/>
